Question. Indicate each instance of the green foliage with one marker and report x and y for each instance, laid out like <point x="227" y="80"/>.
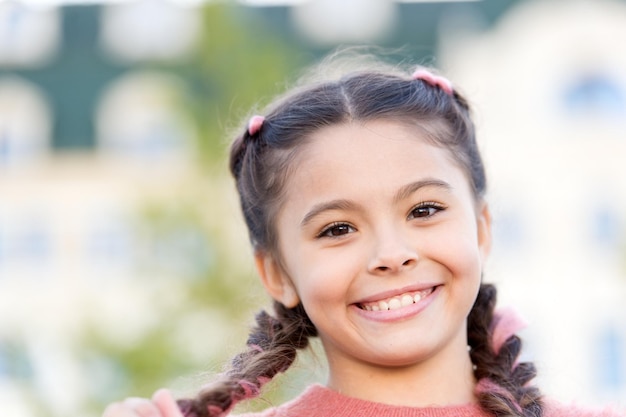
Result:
<point x="195" y="292"/>
<point x="240" y="62"/>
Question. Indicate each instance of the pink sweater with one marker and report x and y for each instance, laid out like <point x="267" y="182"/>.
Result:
<point x="319" y="401"/>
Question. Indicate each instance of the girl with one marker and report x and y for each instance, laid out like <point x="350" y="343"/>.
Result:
<point x="364" y="200"/>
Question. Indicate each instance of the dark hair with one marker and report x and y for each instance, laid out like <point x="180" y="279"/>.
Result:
<point x="261" y="163"/>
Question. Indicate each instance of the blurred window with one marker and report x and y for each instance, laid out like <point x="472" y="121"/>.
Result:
<point x="509" y="231"/>
<point x="25" y="123"/>
<point x="610" y="360"/>
<point x="3" y="258"/>
<point x="29" y="37"/>
<point x="595" y="95"/>
<point x="26" y="240"/>
<point x="141" y="116"/>
<point x="30" y="242"/>
<point x="149" y="30"/>
<point x="606" y="227"/>
<point x="109" y="241"/>
<point x="183" y="251"/>
<point x="329" y="22"/>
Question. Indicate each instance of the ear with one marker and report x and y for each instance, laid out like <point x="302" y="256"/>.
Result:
<point x="276" y="282"/>
<point x="483" y="223"/>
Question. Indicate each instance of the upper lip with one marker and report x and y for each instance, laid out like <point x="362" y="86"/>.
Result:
<point x="396" y="292"/>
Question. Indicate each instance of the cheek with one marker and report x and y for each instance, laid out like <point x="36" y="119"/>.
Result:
<point x="323" y="277"/>
<point x="456" y="247"/>
<point x="459" y="253"/>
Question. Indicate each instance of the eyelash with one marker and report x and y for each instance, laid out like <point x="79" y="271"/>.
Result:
<point x="432" y="207"/>
<point x="326" y="231"/>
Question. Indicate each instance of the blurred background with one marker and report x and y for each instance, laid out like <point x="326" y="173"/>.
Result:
<point x="124" y="264"/>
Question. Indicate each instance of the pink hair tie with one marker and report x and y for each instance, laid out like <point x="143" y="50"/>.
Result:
<point x="263" y="380"/>
<point x="250" y="390"/>
<point x="434" y="80"/>
<point x="506" y="323"/>
<point x="213" y="410"/>
<point x="256" y="348"/>
<point x="254" y="125"/>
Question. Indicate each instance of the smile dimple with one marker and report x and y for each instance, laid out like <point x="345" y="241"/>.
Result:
<point x="399" y="301"/>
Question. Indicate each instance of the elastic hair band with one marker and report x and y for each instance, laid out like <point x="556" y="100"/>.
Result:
<point x="254" y="125"/>
<point x="256" y="347"/>
<point x="434" y="80"/>
<point x="263" y="380"/>
<point x="250" y="390"/>
<point x="213" y="410"/>
<point x="506" y="322"/>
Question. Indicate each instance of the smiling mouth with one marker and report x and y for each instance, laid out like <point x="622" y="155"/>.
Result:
<point x="397" y="302"/>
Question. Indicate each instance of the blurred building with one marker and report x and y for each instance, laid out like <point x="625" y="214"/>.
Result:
<point x="550" y="92"/>
<point x="90" y="135"/>
<point x="93" y="130"/>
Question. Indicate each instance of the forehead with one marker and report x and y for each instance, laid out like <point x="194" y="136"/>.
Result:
<point x="378" y="140"/>
<point x="370" y="156"/>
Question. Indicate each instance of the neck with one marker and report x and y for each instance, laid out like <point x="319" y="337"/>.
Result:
<point x="447" y="379"/>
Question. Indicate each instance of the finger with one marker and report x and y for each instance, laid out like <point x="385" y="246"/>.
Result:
<point x="118" y="410"/>
<point x="142" y="407"/>
<point x="166" y="404"/>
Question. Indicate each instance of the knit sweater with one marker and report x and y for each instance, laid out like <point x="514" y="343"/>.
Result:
<point x="319" y="401"/>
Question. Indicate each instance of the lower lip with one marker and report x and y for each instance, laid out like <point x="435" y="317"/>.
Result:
<point x="400" y="313"/>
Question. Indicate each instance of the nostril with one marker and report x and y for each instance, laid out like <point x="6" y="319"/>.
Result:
<point x="385" y="265"/>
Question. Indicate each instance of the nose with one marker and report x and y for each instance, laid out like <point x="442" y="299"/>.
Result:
<point x="392" y="253"/>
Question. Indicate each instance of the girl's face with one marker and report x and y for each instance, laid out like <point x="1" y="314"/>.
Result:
<point x="382" y="241"/>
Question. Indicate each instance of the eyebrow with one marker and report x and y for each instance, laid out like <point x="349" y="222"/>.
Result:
<point x="409" y="189"/>
<point x="348" y="205"/>
<point x="345" y="205"/>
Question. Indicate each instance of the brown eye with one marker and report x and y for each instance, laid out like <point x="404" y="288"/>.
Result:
<point x="336" y="230"/>
<point x="425" y="210"/>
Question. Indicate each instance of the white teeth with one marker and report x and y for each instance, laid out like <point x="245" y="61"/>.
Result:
<point x="406" y="300"/>
<point x="397" y="302"/>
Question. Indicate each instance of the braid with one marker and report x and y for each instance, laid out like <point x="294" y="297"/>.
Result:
<point x="272" y="348"/>
<point x="503" y="384"/>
